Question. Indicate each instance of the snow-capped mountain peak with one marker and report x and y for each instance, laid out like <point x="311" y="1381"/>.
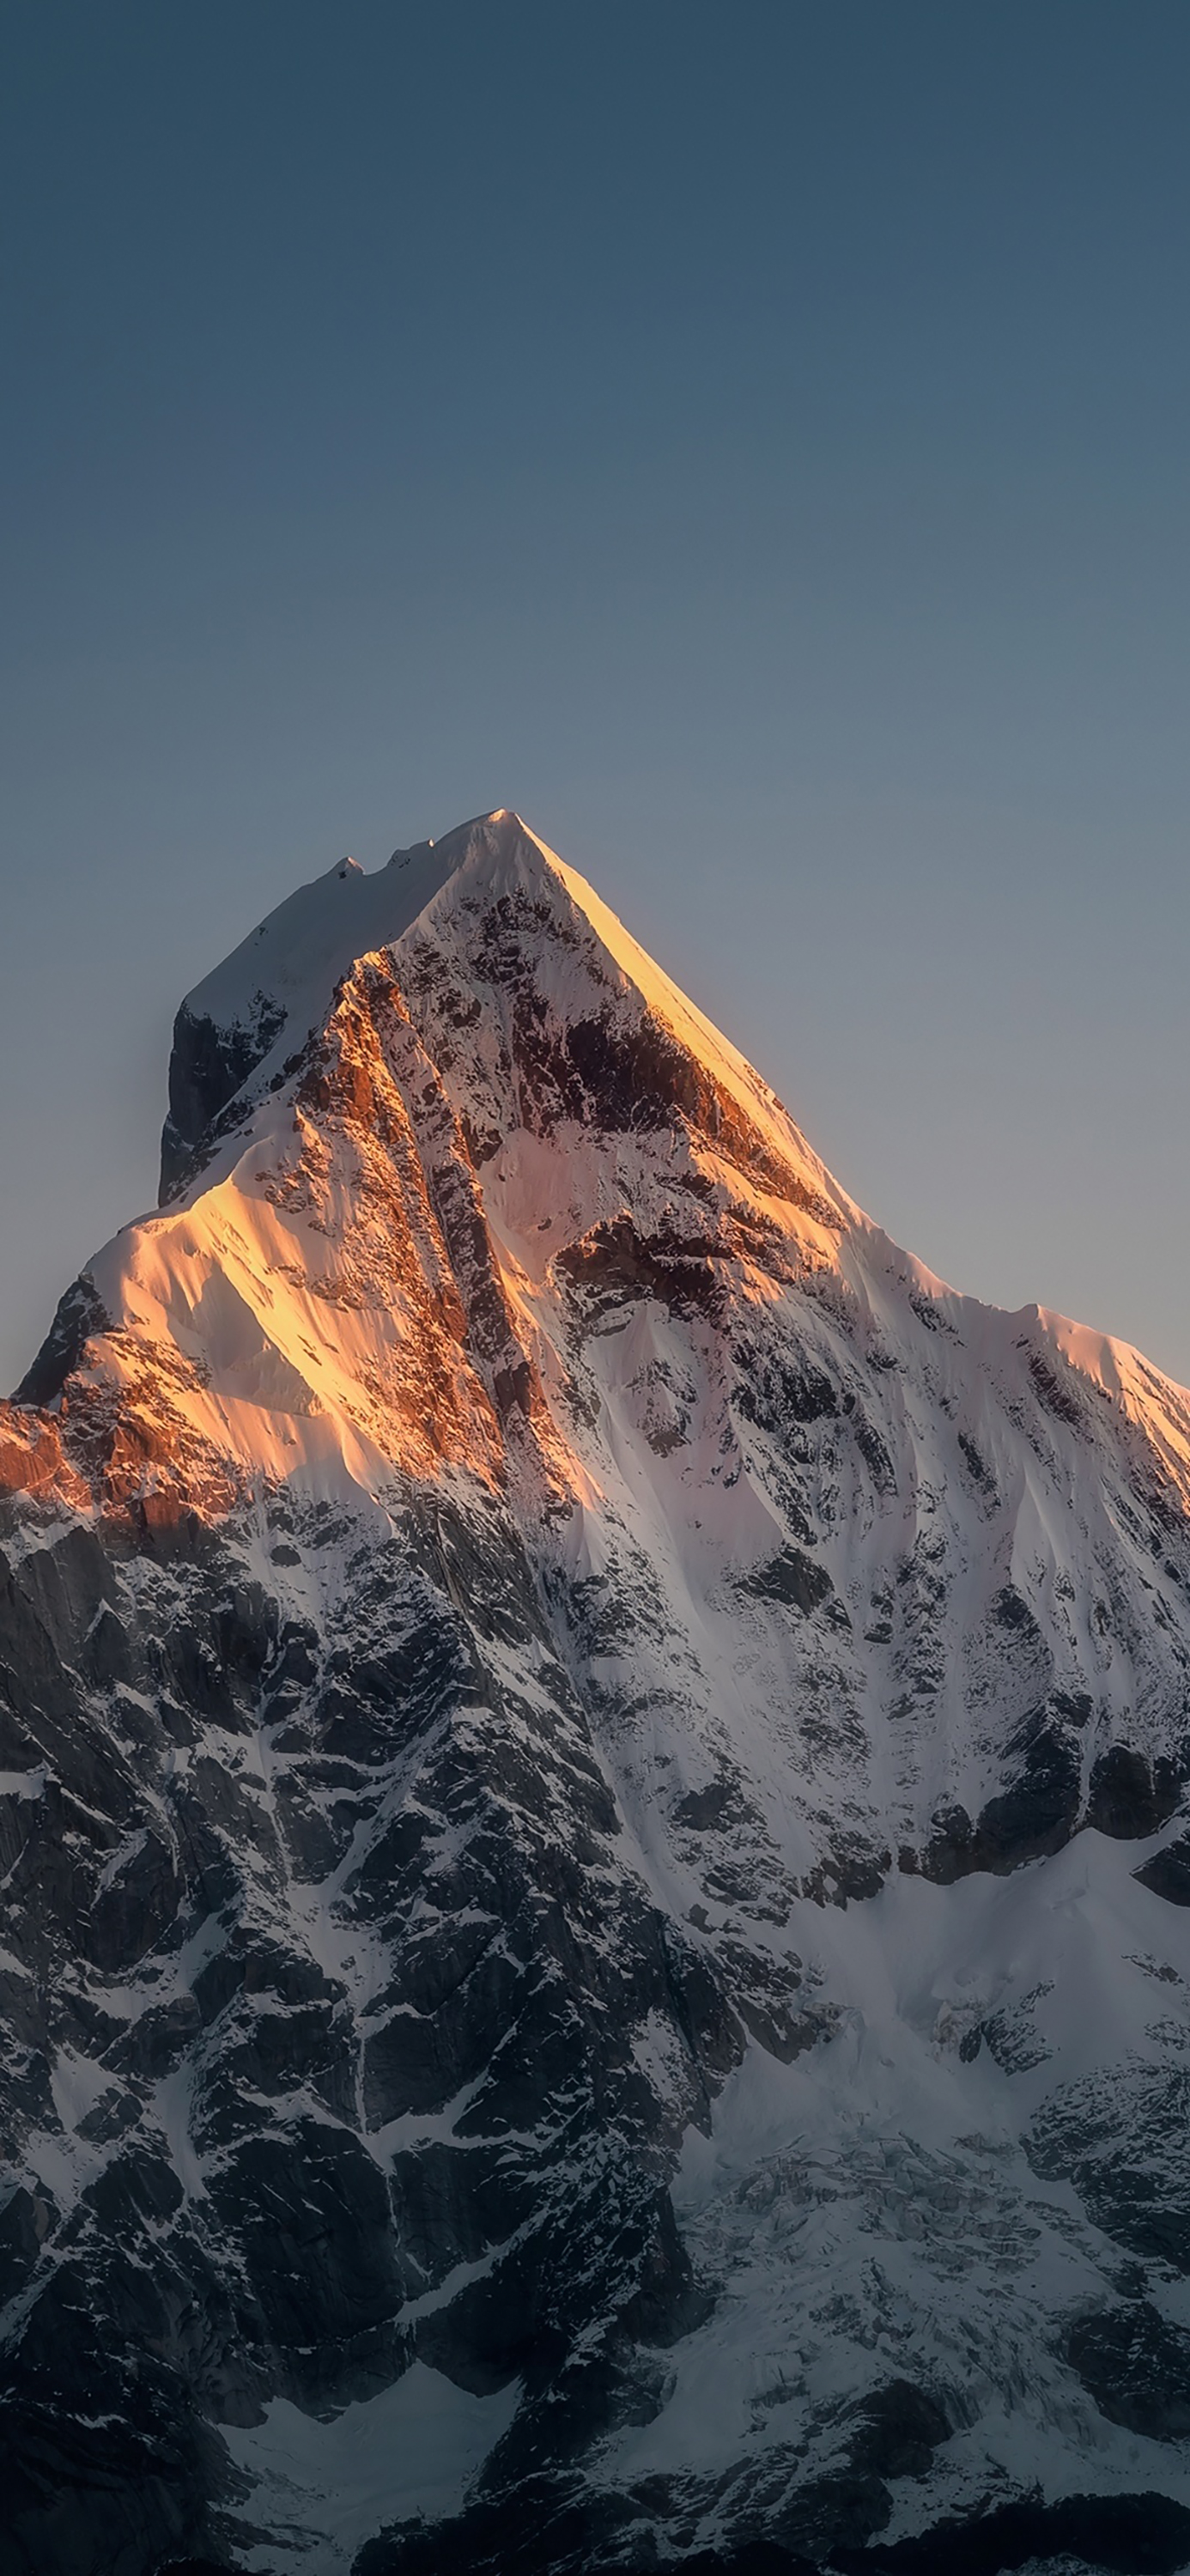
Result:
<point x="594" y="1777"/>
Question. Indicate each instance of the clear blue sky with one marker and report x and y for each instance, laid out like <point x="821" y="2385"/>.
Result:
<point x="752" y="440"/>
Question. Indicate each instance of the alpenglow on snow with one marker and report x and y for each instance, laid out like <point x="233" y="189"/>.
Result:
<point x="596" y="1886"/>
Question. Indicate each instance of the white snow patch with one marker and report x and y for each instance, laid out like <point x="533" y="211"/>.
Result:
<point x="324" y="2489"/>
<point x="77" y="2084"/>
<point x="23" y="1784"/>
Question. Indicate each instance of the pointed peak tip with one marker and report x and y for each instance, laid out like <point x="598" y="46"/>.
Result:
<point x="450" y="849"/>
<point x="501" y="818"/>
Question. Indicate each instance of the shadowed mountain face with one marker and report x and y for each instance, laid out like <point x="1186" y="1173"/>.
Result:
<point x="594" y="1930"/>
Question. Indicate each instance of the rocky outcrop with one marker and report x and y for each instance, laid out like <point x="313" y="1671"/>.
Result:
<point x="209" y="1063"/>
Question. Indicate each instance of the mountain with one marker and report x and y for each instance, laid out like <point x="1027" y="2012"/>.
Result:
<point x="596" y="1877"/>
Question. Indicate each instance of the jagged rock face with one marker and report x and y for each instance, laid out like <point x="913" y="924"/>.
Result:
<point x="596" y="1945"/>
<point x="208" y="1066"/>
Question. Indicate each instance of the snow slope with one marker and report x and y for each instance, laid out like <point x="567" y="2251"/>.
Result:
<point x="580" y="1737"/>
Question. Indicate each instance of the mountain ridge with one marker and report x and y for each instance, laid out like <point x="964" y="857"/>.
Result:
<point x="585" y="1732"/>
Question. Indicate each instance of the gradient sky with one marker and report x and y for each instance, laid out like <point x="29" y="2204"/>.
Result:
<point x="752" y="440"/>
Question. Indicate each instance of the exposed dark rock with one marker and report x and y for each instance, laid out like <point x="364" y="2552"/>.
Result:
<point x="613" y="1262"/>
<point x="780" y="1389"/>
<point x="852" y="1868"/>
<point x="1136" y="2366"/>
<point x="792" y="1578"/>
<point x="898" y="2430"/>
<point x="1011" y="2035"/>
<point x="79" y="1314"/>
<point x="1118" y="2137"/>
<point x="1077" y="1707"/>
<point x="551" y="2532"/>
<point x="714" y="1805"/>
<point x="208" y="1065"/>
<point x="976" y="1465"/>
<point x="1129" y="1796"/>
<point x="1057" y="1392"/>
<point x="832" y="2514"/>
<point x="1011" y="1610"/>
<point x="874" y="1452"/>
<point x="1129" y="2535"/>
<point x="1168" y="1872"/>
<point x="753" y="2558"/>
<point x="114" y="2473"/>
<point x="197" y="2567"/>
<point x="1035" y="1815"/>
